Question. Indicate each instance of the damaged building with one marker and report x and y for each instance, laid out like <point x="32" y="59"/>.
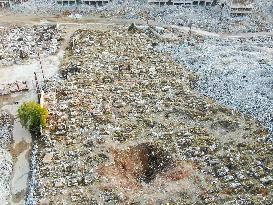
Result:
<point x="4" y="3"/>
<point x="87" y="2"/>
<point x="241" y="7"/>
<point x="66" y="2"/>
<point x="95" y="2"/>
<point x="238" y="7"/>
<point x="182" y="2"/>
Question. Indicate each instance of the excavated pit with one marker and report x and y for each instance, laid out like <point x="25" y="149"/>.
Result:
<point x="137" y="164"/>
<point x="142" y="162"/>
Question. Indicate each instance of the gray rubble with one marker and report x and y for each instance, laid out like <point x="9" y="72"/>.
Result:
<point x="213" y="18"/>
<point x="236" y="72"/>
<point x="18" y="44"/>
<point x="10" y="88"/>
<point x="6" y="126"/>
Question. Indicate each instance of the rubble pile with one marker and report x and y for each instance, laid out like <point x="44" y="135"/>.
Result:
<point x="125" y="127"/>
<point x="236" y="72"/>
<point x="21" y="43"/>
<point x="10" y="88"/>
<point x="215" y="18"/>
<point x="6" y="126"/>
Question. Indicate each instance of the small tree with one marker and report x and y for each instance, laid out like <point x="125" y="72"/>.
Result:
<point x="32" y="116"/>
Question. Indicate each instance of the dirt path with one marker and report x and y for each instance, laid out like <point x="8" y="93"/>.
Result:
<point x="20" y="149"/>
<point x="93" y="21"/>
<point x="21" y="167"/>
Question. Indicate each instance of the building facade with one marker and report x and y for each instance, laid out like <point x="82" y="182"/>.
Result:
<point x="87" y="2"/>
<point x="4" y="3"/>
<point x="182" y="2"/>
<point x="241" y="7"/>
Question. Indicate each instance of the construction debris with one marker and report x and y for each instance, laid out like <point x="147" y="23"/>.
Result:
<point x="19" y="44"/>
<point x="6" y="126"/>
<point x="120" y="109"/>
<point x="10" y="88"/>
<point x="126" y="125"/>
<point x="218" y="18"/>
<point x="235" y="72"/>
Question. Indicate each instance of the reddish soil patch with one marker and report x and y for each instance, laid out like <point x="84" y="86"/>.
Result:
<point x="145" y="166"/>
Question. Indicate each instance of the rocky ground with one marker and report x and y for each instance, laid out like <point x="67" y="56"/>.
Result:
<point x="6" y="126"/>
<point x="125" y="127"/>
<point x="18" y="44"/>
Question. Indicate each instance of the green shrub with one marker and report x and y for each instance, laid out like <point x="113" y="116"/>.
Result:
<point x="132" y="28"/>
<point x="32" y="116"/>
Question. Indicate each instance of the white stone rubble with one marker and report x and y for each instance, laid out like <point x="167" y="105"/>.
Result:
<point x="235" y="72"/>
<point x="21" y="43"/>
<point x="215" y="18"/>
<point x="5" y="156"/>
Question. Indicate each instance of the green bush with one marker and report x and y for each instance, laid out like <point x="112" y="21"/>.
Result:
<point x="32" y="116"/>
<point x="132" y="28"/>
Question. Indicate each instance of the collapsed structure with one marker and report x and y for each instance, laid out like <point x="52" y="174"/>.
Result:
<point x="240" y="7"/>
<point x="20" y="44"/>
<point x="4" y="3"/>
<point x="182" y="2"/>
<point x="88" y="2"/>
<point x="235" y="7"/>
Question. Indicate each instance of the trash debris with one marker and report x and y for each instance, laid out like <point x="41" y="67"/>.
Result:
<point x="75" y="16"/>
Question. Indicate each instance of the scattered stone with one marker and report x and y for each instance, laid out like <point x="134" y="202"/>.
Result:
<point x="6" y="161"/>
<point x="19" y="44"/>
<point x="127" y="122"/>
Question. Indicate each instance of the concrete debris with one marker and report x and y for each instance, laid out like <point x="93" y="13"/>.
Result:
<point x="75" y="16"/>
<point x="18" y="44"/>
<point x="236" y="72"/>
<point x="120" y="109"/>
<point x="8" y="89"/>
<point x="214" y="18"/>
<point x="126" y="122"/>
<point x="6" y="126"/>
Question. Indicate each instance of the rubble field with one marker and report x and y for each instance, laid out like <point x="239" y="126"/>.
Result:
<point x="125" y="127"/>
<point x="6" y="161"/>
<point x="215" y="18"/>
<point x="19" y="44"/>
<point x="236" y="72"/>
